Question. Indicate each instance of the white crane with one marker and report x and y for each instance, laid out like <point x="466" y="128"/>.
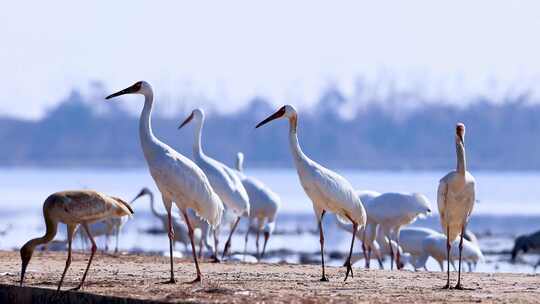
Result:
<point x="73" y="208"/>
<point x="391" y="211"/>
<point x="327" y="190"/>
<point x="411" y="241"/>
<point x="178" y="179"/>
<point x="435" y="246"/>
<point x="222" y="178"/>
<point x="455" y="198"/>
<point x="264" y="205"/>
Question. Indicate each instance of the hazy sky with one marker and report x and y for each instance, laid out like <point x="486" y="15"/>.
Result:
<point x="286" y="50"/>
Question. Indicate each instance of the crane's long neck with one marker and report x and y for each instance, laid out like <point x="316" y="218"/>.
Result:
<point x="145" y="122"/>
<point x="153" y="207"/>
<point x="51" y="227"/>
<point x="461" y="159"/>
<point x="298" y="155"/>
<point x="198" y="152"/>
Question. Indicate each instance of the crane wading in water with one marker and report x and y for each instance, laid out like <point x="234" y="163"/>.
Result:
<point x="178" y="179"/>
<point x="222" y="178"/>
<point x="74" y="208"/>
<point x="455" y="198"/>
<point x="327" y="190"/>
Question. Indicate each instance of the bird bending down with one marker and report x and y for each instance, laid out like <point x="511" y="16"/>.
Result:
<point x="264" y="205"/>
<point x="435" y="246"/>
<point x="455" y="198"/>
<point x="222" y="178"/>
<point x="525" y="243"/>
<point x="74" y="208"/>
<point x="327" y="190"/>
<point x="391" y="211"/>
<point x="178" y="179"/>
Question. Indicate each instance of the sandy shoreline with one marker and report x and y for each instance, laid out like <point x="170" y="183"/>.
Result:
<point x="140" y="277"/>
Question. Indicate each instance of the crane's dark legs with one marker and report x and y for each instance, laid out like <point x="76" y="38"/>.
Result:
<point x="228" y="243"/>
<point x="391" y="252"/>
<point x="200" y="248"/>
<point x="117" y="237"/>
<point x="257" y="243"/>
<point x="70" y="231"/>
<point x="190" y="230"/>
<point x="321" y="239"/>
<point x="458" y="285"/>
<point x="246" y="238"/>
<point x="172" y="280"/>
<point x="214" y="257"/>
<point x="448" y="246"/>
<point x="367" y="255"/>
<point x="399" y="264"/>
<point x="94" y="248"/>
<point x="348" y="262"/>
<point x="266" y="237"/>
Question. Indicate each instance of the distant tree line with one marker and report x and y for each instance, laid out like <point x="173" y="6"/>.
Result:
<point x="379" y="134"/>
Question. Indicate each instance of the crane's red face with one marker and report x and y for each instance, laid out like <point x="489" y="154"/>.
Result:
<point x="460" y="132"/>
<point x="280" y="113"/>
<point x="130" y="90"/>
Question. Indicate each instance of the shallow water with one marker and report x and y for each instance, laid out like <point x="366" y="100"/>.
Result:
<point x="507" y="207"/>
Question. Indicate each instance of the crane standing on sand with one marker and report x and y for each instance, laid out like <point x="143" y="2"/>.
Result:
<point x="74" y="208"/>
<point x="264" y="205"/>
<point x="327" y="190"/>
<point x="455" y="198"/>
<point x="222" y="178"/>
<point x="178" y="179"/>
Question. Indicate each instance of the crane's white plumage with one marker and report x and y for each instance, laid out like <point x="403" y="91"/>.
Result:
<point x="178" y="179"/>
<point x="411" y="241"/>
<point x="391" y="211"/>
<point x="223" y="179"/>
<point x="327" y="190"/>
<point x="455" y="198"/>
<point x="264" y="204"/>
<point x="435" y="247"/>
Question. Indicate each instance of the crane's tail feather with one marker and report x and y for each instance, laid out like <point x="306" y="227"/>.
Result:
<point x="124" y="207"/>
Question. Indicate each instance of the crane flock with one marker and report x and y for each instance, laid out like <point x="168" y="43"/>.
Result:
<point x="203" y="189"/>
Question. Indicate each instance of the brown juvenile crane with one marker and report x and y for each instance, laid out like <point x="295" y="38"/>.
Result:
<point x="74" y="208"/>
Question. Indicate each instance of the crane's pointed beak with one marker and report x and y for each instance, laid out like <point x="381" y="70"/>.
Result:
<point x="23" y="269"/>
<point x="130" y="90"/>
<point x="138" y="196"/>
<point x="276" y="115"/>
<point x="190" y="117"/>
